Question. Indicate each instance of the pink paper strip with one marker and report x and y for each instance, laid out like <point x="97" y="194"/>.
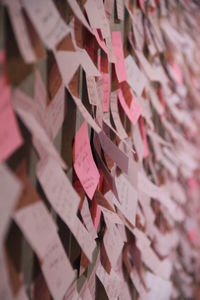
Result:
<point x="84" y="164"/>
<point x="10" y="137"/>
<point x="106" y="91"/>
<point x="120" y="67"/>
<point x="134" y="111"/>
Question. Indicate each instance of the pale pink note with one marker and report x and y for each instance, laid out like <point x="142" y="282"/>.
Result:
<point x="138" y="284"/>
<point x="106" y="91"/>
<point x="10" y="188"/>
<point x="55" y="112"/>
<point x="87" y="63"/>
<point x="99" y="110"/>
<point x="72" y="292"/>
<point x="40" y="98"/>
<point x="120" y="67"/>
<point x="134" y="111"/>
<point x="160" y="194"/>
<point x="40" y="92"/>
<point x="84" y="238"/>
<point x="127" y="195"/>
<point x="58" y="190"/>
<point x="138" y="142"/>
<point x="78" y="13"/>
<point x="93" y="15"/>
<point x="47" y="21"/>
<point x="92" y="283"/>
<point x="153" y="73"/>
<point x="111" y="216"/>
<point x="37" y="225"/>
<point x="111" y="54"/>
<point x="158" y="288"/>
<point x="144" y="137"/>
<point x="84" y="164"/>
<point x="135" y="77"/>
<point x="21" y="33"/>
<point x="105" y="26"/>
<point x="113" y="243"/>
<point x="160" y="267"/>
<point x="27" y="112"/>
<point x="70" y="61"/>
<point x="108" y="5"/>
<point x="86" y="115"/>
<point x="87" y="219"/>
<point x="86" y="295"/>
<point x="125" y="293"/>
<point x="67" y="60"/>
<point x="111" y="282"/>
<point x="120" y="9"/>
<point x="10" y="137"/>
<point x="115" y="114"/>
<point x="65" y="201"/>
<point x="114" y="152"/>
<point x="57" y="270"/>
<point x="155" y="100"/>
<point x="92" y="90"/>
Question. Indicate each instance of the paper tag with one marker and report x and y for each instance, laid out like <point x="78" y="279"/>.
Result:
<point x="135" y="77"/>
<point x="37" y="225"/>
<point x="40" y="92"/>
<point x="158" y="287"/>
<point x="21" y="33"/>
<point x="115" y="114"/>
<point x="78" y="13"/>
<point x="84" y="164"/>
<point x="127" y="197"/>
<point x="84" y="238"/>
<point x="113" y="152"/>
<point x="47" y="21"/>
<point x="134" y="111"/>
<point x="58" y="190"/>
<point x="111" y="216"/>
<point x="137" y="283"/>
<point x="26" y="111"/>
<point x="120" y="9"/>
<point x="138" y="143"/>
<point x="111" y="54"/>
<point x="52" y="116"/>
<point x="86" y="114"/>
<point x="87" y="63"/>
<point x="65" y="201"/>
<point x="106" y="91"/>
<point x="10" y="137"/>
<point x="93" y="15"/>
<point x="56" y="112"/>
<point x="105" y="28"/>
<point x="113" y="243"/>
<point x="10" y="188"/>
<point x="108" y="4"/>
<point x="92" y="90"/>
<point x="120" y="67"/>
<point x="87" y="219"/>
<point x="159" y="193"/>
<point x="57" y="270"/>
<point x="111" y="282"/>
